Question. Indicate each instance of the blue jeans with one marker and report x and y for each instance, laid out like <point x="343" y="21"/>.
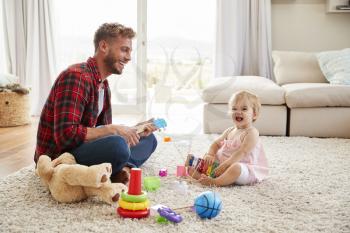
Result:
<point x="114" y="150"/>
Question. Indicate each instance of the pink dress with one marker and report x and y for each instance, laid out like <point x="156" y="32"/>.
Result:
<point x="255" y="160"/>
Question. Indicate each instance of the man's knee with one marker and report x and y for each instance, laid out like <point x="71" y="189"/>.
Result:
<point x="154" y="142"/>
<point x="120" y="151"/>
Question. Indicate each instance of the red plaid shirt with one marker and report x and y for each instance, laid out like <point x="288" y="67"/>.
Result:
<point x="71" y="107"/>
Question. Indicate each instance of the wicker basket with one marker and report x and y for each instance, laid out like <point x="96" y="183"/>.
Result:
<point x="14" y="109"/>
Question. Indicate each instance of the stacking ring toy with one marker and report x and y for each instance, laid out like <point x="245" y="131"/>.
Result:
<point x="133" y="206"/>
<point x="133" y="214"/>
<point x="134" y="198"/>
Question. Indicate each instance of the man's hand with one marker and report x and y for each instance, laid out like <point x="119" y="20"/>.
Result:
<point x="147" y="127"/>
<point x="128" y="133"/>
<point x="147" y="130"/>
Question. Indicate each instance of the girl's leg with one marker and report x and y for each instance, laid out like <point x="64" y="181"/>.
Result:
<point x="110" y="149"/>
<point x="228" y="177"/>
<point x="142" y="151"/>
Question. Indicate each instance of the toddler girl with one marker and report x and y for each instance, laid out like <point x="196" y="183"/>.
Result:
<point x="238" y="150"/>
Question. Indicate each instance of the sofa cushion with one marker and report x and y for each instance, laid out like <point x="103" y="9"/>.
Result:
<point x="304" y="95"/>
<point x="335" y="66"/>
<point x="8" y="79"/>
<point x="272" y="119"/>
<point x="320" y="122"/>
<point x="296" y="67"/>
<point x="221" y="89"/>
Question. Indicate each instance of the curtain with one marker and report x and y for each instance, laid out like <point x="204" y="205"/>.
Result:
<point x="3" y="62"/>
<point x="30" y="47"/>
<point x="243" y="38"/>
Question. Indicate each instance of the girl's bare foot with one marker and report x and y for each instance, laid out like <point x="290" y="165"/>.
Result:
<point x="206" y="180"/>
<point x="193" y="173"/>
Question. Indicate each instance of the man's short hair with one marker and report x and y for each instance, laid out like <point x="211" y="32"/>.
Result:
<point x="109" y="31"/>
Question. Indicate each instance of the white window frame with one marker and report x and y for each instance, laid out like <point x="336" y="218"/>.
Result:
<point x="141" y="66"/>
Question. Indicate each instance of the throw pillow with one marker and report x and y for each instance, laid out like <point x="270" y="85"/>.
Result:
<point x="7" y="79"/>
<point x="335" y="66"/>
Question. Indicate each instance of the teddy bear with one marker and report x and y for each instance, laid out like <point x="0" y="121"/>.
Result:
<point x="71" y="182"/>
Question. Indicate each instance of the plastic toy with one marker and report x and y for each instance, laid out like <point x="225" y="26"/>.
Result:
<point x="133" y="205"/>
<point x="181" y="170"/>
<point x="134" y="198"/>
<point x="154" y="209"/>
<point x="167" y="139"/>
<point x="189" y="160"/>
<point x="213" y="167"/>
<point x="180" y="186"/>
<point x="201" y="166"/>
<point x="169" y="214"/>
<point x="210" y="168"/>
<point x="132" y="214"/>
<point x="158" y="123"/>
<point x="163" y="172"/>
<point x="162" y="220"/>
<point x="208" y="204"/>
<point x="135" y="182"/>
<point x="151" y="183"/>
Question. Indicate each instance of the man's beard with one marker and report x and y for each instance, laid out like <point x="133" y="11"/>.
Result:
<point x="110" y="61"/>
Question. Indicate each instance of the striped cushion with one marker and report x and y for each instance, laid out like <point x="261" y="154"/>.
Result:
<point x="335" y="66"/>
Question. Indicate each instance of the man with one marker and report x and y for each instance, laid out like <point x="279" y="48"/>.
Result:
<point x="77" y="115"/>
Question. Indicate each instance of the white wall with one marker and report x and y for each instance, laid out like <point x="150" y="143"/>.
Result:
<point x="304" y="25"/>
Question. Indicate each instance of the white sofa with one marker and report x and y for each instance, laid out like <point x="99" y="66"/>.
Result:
<point x="273" y="116"/>
<point x="316" y="108"/>
<point x="300" y="103"/>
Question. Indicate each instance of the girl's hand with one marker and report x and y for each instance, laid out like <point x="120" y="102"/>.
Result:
<point x="209" y="159"/>
<point x="221" y="168"/>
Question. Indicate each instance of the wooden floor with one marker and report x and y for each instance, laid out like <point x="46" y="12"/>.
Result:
<point x="17" y="146"/>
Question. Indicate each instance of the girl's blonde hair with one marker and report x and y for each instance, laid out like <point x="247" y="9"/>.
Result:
<point x="252" y="98"/>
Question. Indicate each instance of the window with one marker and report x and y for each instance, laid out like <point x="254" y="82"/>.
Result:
<point x="77" y="22"/>
<point x="180" y="43"/>
<point x="180" y="36"/>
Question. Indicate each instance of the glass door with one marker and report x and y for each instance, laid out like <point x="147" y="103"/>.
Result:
<point x="180" y="44"/>
<point x="77" y="22"/>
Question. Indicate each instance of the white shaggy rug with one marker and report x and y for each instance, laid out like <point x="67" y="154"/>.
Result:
<point x="307" y="191"/>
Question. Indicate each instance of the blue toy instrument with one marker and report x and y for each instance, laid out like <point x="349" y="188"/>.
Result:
<point x="159" y="123"/>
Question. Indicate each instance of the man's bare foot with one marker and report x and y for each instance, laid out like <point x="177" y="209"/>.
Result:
<point x="127" y="169"/>
<point x="206" y="180"/>
<point x="121" y="177"/>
